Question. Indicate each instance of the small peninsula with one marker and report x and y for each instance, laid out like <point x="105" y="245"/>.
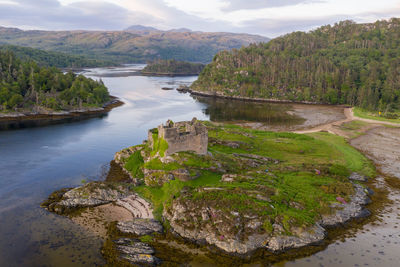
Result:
<point x="172" y="68"/>
<point x="29" y="91"/>
<point x="220" y="187"/>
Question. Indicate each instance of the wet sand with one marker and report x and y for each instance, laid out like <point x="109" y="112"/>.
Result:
<point x="382" y="145"/>
<point x="312" y="116"/>
<point x="97" y="219"/>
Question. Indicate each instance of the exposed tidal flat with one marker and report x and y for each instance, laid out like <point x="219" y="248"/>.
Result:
<point x="64" y="155"/>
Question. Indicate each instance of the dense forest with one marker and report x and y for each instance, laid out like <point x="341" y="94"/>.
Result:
<point x="171" y="67"/>
<point x="26" y="86"/>
<point x="348" y="63"/>
<point x="54" y="59"/>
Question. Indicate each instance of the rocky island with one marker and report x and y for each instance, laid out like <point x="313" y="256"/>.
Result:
<point x="221" y="188"/>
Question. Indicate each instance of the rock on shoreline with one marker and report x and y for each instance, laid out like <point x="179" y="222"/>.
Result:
<point x="91" y="195"/>
<point x="136" y="252"/>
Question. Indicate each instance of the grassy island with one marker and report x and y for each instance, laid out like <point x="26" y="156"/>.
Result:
<point x="311" y="170"/>
<point x="172" y="67"/>
<point x="28" y="88"/>
<point x="248" y="192"/>
<point x="270" y="186"/>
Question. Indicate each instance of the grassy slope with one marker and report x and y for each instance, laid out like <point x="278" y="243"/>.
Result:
<point x="361" y="113"/>
<point x="294" y="178"/>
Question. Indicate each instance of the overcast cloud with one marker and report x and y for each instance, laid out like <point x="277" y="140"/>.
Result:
<point x="266" y="17"/>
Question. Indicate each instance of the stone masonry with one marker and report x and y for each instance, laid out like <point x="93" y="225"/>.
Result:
<point x="183" y="136"/>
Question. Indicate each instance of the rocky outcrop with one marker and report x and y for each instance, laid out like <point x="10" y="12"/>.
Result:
<point x="243" y="232"/>
<point x="160" y="177"/>
<point x="122" y="156"/>
<point x="302" y="238"/>
<point x="136" y="205"/>
<point x="89" y="195"/>
<point x="140" y="227"/>
<point x="136" y="252"/>
<point x="347" y="211"/>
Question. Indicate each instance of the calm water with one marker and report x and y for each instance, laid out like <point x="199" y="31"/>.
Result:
<point x="37" y="161"/>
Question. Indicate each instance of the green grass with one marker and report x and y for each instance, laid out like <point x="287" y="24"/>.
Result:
<point x="361" y="113"/>
<point x="160" y="145"/>
<point x="346" y="155"/>
<point x="156" y="164"/>
<point x="134" y="164"/>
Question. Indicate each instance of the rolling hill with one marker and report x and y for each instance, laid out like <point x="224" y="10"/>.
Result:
<point x="131" y="46"/>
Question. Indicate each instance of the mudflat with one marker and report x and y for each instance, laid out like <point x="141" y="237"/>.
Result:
<point x="382" y="145"/>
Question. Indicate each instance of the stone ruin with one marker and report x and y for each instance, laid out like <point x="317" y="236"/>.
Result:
<point x="183" y="136"/>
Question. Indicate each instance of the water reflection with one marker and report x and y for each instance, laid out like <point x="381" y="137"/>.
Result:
<point x="224" y="110"/>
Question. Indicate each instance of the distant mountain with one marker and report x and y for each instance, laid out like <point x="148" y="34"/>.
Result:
<point x="181" y="30"/>
<point x="147" y="30"/>
<point x="142" y="29"/>
<point x="131" y="46"/>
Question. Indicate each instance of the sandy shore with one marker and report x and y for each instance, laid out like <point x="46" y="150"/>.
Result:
<point x="98" y="218"/>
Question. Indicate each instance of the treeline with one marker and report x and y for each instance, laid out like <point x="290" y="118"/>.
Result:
<point x="172" y="67"/>
<point x="348" y="63"/>
<point x="54" y="59"/>
<point x="26" y="86"/>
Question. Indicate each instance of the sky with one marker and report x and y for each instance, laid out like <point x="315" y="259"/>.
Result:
<point x="269" y="18"/>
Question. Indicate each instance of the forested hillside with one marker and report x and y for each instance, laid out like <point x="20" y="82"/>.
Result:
<point x="171" y="67"/>
<point x="24" y="86"/>
<point x="54" y="59"/>
<point x="348" y="63"/>
<point x="129" y="46"/>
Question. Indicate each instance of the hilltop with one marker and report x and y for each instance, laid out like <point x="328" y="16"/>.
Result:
<point x="347" y="63"/>
<point x="131" y="45"/>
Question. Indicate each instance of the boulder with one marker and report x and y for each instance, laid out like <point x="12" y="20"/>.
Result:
<point x="347" y="211"/>
<point x="157" y="177"/>
<point x="181" y="174"/>
<point x="136" y="252"/>
<point x="358" y="177"/>
<point x="89" y="195"/>
<point x="140" y="227"/>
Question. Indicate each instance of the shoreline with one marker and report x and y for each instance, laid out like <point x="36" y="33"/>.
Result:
<point x="60" y="115"/>
<point x="252" y="99"/>
<point x="160" y="74"/>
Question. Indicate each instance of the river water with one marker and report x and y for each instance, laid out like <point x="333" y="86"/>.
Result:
<point x="37" y="161"/>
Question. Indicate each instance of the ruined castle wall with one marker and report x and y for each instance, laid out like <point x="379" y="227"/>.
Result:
<point x="191" y="142"/>
<point x="183" y="136"/>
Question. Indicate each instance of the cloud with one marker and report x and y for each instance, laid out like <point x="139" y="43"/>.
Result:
<point x="256" y="4"/>
<point x="266" y="17"/>
<point x="52" y="15"/>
